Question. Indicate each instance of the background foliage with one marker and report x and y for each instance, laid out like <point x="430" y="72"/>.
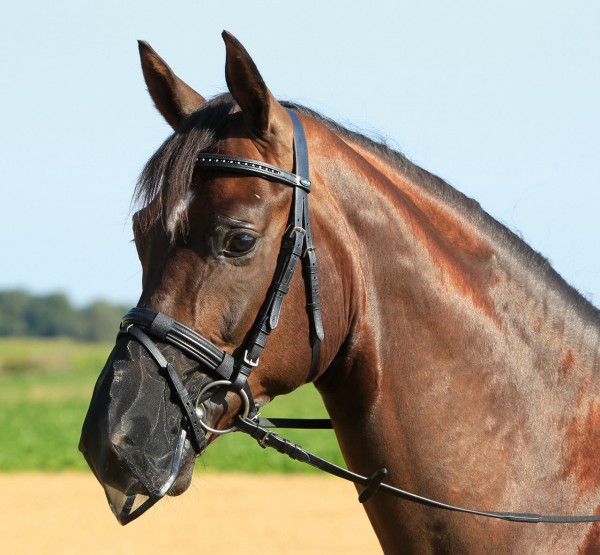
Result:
<point x="45" y="388"/>
<point x="53" y="315"/>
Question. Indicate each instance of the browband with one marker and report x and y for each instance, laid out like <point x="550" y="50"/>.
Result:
<point x="252" y="167"/>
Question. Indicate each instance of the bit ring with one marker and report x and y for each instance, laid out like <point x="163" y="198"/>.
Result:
<point x="218" y="383"/>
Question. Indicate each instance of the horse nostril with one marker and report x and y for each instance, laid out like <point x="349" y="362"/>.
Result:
<point x="119" y="438"/>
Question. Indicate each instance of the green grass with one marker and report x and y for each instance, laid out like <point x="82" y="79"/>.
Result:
<point x="46" y="386"/>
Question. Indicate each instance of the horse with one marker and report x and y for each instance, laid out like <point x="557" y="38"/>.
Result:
<point x="443" y="346"/>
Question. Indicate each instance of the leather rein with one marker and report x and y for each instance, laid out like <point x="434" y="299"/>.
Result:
<point x="144" y="325"/>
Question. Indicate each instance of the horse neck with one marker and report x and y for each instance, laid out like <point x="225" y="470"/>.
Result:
<point x="461" y="338"/>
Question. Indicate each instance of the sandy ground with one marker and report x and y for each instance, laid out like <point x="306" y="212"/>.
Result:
<point x="221" y="514"/>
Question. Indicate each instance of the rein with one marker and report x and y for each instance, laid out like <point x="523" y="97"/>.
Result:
<point x="374" y="483"/>
<point x="144" y="324"/>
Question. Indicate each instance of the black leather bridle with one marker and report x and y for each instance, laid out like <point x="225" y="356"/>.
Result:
<point x="296" y="244"/>
<point x="231" y="372"/>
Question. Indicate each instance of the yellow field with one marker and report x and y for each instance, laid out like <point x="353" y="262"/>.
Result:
<point x="67" y="514"/>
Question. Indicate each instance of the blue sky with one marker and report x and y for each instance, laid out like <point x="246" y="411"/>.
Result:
<point x="501" y="99"/>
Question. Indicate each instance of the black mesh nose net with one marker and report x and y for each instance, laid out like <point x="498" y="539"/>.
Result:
<point x="133" y="408"/>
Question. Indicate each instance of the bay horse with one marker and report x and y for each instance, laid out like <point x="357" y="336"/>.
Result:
<point x="444" y="347"/>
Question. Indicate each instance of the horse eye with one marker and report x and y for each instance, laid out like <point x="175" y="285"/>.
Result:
<point x="240" y="243"/>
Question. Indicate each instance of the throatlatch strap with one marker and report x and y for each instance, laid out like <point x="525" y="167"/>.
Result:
<point x="309" y="259"/>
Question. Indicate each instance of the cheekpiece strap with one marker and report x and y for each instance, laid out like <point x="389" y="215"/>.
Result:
<point x="296" y="245"/>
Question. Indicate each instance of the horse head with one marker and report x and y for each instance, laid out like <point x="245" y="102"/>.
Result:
<point x="209" y="240"/>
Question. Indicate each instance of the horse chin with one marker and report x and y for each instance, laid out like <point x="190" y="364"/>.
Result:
<point x="181" y="484"/>
<point x="186" y="472"/>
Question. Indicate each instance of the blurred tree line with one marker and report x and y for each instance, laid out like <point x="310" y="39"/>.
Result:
<point x="25" y="315"/>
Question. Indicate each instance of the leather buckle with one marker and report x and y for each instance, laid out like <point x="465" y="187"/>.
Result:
<point x="249" y="361"/>
<point x="307" y="250"/>
<point x="295" y="229"/>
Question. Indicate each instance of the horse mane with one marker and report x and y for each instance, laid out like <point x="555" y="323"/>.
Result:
<point x="465" y="205"/>
<point x="174" y="163"/>
<point x="166" y="179"/>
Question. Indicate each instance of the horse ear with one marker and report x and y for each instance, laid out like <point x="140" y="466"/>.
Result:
<point x="174" y="99"/>
<point x="262" y="112"/>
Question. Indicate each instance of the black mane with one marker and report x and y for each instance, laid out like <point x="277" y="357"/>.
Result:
<point x="166" y="178"/>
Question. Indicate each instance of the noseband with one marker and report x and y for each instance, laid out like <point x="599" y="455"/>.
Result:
<point x="232" y="372"/>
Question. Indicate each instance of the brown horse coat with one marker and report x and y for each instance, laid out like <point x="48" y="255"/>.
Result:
<point x="453" y="355"/>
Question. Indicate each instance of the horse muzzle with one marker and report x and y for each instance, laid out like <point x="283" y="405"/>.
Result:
<point x="135" y="437"/>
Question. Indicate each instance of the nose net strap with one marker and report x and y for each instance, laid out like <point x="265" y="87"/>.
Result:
<point x="186" y="403"/>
